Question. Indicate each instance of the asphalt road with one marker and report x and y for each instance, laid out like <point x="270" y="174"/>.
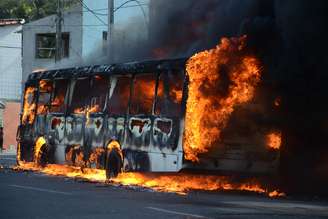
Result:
<point x="34" y="195"/>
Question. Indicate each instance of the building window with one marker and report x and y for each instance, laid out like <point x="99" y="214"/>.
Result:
<point x="46" y="45"/>
<point x="105" y="35"/>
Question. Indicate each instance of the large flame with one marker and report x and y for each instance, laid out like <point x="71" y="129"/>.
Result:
<point x="274" y="140"/>
<point x="178" y="183"/>
<point x="37" y="148"/>
<point x="219" y="80"/>
<point x="29" y="106"/>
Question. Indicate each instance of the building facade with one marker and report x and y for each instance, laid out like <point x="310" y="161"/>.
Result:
<point x="39" y="42"/>
<point x="84" y="30"/>
<point x="10" y="59"/>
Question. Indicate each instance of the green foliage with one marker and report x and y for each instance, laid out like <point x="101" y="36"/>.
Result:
<point x="30" y="9"/>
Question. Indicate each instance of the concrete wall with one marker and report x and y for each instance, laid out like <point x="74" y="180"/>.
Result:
<point x="11" y="122"/>
<point x="10" y="62"/>
<point x="72" y="25"/>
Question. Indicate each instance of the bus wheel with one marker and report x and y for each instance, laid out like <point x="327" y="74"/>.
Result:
<point x="40" y="151"/>
<point x="114" y="160"/>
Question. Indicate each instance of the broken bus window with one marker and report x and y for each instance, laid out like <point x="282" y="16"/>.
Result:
<point x="80" y="98"/>
<point x="119" y="95"/>
<point x="45" y="90"/>
<point x="98" y="93"/>
<point x="143" y="94"/>
<point x="29" y="105"/>
<point x="58" y="100"/>
<point x="169" y="94"/>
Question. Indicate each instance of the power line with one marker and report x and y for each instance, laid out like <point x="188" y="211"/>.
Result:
<point x="140" y="6"/>
<point x="86" y="7"/>
<point x="103" y="14"/>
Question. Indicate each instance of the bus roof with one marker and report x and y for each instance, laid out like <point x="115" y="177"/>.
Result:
<point x="123" y="68"/>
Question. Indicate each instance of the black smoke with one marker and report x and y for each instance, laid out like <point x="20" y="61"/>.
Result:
<point x="290" y="38"/>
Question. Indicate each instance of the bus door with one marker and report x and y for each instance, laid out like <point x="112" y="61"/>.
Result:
<point x="117" y="107"/>
<point x="78" y="109"/>
<point x="56" y="114"/>
<point x="95" y="124"/>
<point x="166" y="131"/>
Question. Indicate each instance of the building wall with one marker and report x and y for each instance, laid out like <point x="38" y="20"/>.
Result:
<point x="72" y="24"/>
<point x="1" y="117"/>
<point x="93" y="27"/>
<point x="11" y="122"/>
<point x="10" y="62"/>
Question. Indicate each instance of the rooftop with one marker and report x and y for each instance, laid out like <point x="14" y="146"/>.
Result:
<point x="7" y="22"/>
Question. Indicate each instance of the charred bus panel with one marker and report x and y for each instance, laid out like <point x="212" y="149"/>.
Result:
<point x="139" y="105"/>
<point x="80" y="111"/>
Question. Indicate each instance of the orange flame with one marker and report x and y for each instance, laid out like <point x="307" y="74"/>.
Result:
<point x="87" y="110"/>
<point x="208" y="110"/>
<point x="277" y="102"/>
<point x="37" y="148"/>
<point x="29" y="106"/>
<point x="274" y="140"/>
<point x="179" y="183"/>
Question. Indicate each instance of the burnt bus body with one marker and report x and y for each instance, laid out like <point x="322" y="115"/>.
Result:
<point x="141" y="106"/>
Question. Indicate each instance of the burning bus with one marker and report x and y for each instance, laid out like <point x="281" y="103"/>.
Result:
<point x="158" y="116"/>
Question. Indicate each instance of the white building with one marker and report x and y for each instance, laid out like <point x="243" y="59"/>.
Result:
<point x="10" y="59"/>
<point x="84" y="38"/>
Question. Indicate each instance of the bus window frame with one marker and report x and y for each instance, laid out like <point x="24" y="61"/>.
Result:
<point x="108" y="78"/>
<point x="107" y="109"/>
<point x="184" y="90"/>
<point x="39" y="92"/>
<point x="66" y="96"/>
<point x="34" y="85"/>
<point x="155" y="74"/>
<point x="72" y="88"/>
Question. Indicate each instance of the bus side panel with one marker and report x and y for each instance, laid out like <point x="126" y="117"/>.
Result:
<point x="41" y="125"/>
<point x="142" y="161"/>
<point x="165" y="134"/>
<point x="115" y="130"/>
<point x="74" y="130"/>
<point x="56" y="128"/>
<point x="139" y="132"/>
<point x="94" y="131"/>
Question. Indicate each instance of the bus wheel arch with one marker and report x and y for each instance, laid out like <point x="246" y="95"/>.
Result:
<point x="113" y="159"/>
<point x="42" y="150"/>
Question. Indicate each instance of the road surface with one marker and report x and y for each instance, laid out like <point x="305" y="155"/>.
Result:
<point x="34" y="195"/>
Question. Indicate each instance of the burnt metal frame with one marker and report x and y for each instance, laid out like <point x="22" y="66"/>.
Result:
<point x="132" y="69"/>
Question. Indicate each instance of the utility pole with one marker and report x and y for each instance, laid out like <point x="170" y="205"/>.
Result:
<point x="59" y="20"/>
<point x="110" y="27"/>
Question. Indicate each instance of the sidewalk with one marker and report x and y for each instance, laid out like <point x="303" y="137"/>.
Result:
<point x="8" y="151"/>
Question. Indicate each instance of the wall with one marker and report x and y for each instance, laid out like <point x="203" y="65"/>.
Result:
<point x="72" y="24"/>
<point x="11" y="122"/>
<point x="10" y="62"/>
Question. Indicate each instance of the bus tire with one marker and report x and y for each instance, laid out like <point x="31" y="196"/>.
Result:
<point x="42" y="156"/>
<point x="41" y="152"/>
<point x="114" y="163"/>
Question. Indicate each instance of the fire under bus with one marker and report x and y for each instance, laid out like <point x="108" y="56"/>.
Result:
<point x="129" y="117"/>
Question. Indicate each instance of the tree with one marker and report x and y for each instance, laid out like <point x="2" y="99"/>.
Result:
<point x="30" y="9"/>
